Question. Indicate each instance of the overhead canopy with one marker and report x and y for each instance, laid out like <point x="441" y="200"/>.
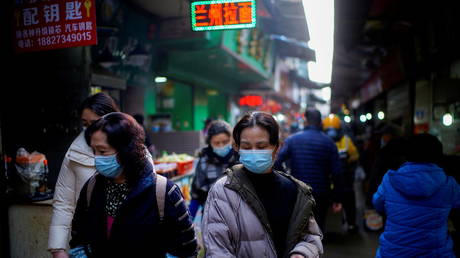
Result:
<point x="290" y="47"/>
<point x="287" y="18"/>
<point x="303" y="82"/>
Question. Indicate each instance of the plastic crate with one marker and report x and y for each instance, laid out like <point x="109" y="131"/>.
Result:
<point x="184" y="167"/>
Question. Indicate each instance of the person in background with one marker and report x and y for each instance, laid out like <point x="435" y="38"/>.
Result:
<point x="77" y="167"/>
<point x="255" y="211"/>
<point x="391" y="155"/>
<point x="121" y="215"/>
<point x="313" y="159"/>
<point x="213" y="160"/>
<point x="349" y="156"/>
<point x="417" y="199"/>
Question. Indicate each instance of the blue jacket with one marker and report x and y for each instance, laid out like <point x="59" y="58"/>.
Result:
<point x="416" y="199"/>
<point x="313" y="158"/>
<point x="136" y="231"/>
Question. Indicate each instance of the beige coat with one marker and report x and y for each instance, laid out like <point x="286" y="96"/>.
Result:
<point x="235" y="223"/>
<point x="77" y="167"/>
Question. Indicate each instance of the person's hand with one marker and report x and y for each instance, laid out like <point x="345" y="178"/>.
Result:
<point x="60" y="254"/>
<point x="336" y="207"/>
<point x="297" y="256"/>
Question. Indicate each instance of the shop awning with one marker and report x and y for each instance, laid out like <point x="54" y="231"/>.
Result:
<point x="289" y="47"/>
<point x="303" y="82"/>
<point x="224" y="61"/>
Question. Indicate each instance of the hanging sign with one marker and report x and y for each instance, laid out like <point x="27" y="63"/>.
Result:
<point x="223" y="14"/>
<point x="51" y="24"/>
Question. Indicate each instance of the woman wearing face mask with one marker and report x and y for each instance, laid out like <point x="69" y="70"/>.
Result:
<point x="77" y="167"/>
<point x="255" y="211"/>
<point x="213" y="161"/>
<point x="120" y="216"/>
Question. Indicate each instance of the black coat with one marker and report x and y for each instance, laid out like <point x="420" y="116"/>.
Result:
<point x="136" y="231"/>
<point x="209" y="168"/>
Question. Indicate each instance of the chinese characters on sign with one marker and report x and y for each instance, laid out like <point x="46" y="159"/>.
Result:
<point x="225" y="14"/>
<point x="51" y="24"/>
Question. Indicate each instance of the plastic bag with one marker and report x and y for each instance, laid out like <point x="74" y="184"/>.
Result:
<point x="31" y="174"/>
<point x="79" y="252"/>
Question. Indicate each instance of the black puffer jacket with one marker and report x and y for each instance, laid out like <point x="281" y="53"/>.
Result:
<point x="136" y="231"/>
<point x="209" y="168"/>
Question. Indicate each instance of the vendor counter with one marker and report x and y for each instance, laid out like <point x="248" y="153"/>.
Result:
<point x="28" y="229"/>
<point x="29" y="223"/>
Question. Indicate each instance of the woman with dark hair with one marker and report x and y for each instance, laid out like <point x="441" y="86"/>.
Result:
<point x="119" y="212"/>
<point x="416" y="199"/>
<point x="96" y="106"/>
<point x="213" y="160"/>
<point x="254" y="210"/>
<point x="77" y="167"/>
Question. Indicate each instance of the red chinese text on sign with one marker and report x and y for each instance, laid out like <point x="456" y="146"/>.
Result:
<point x="223" y="14"/>
<point x="53" y="24"/>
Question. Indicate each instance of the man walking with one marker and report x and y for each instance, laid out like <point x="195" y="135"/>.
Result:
<point x="313" y="158"/>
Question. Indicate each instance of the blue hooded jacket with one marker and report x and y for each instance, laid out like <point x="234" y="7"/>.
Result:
<point x="417" y="200"/>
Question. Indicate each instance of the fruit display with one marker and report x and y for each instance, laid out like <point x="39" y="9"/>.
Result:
<point x="174" y="164"/>
<point x="174" y="158"/>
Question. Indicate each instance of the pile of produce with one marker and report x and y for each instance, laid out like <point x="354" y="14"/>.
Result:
<point x="174" y="164"/>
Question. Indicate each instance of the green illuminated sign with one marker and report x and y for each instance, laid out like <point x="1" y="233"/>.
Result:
<point x="223" y="14"/>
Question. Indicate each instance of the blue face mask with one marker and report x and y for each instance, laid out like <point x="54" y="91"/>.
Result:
<point x="108" y="166"/>
<point x="256" y="161"/>
<point x="223" y="151"/>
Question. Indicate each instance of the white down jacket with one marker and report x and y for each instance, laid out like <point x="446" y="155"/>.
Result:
<point x="77" y="167"/>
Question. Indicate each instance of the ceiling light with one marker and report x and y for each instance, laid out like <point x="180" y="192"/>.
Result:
<point x="368" y="116"/>
<point x="161" y="79"/>
<point x="447" y="119"/>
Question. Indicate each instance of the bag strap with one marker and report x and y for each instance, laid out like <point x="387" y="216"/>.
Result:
<point x="89" y="188"/>
<point x="160" y="188"/>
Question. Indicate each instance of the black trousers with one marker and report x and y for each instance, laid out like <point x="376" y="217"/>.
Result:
<point x="349" y="206"/>
<point x="323" y="201"/>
